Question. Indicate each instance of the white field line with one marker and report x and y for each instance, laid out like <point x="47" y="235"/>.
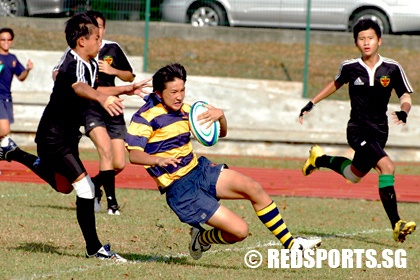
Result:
<point x="154" y="258"/>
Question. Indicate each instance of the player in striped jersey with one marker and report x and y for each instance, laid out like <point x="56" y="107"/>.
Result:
<point x="371" y="80"/>
<point x="159" y="138"/>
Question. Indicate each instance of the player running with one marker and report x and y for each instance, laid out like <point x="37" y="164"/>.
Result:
<point x="371" y="79"/>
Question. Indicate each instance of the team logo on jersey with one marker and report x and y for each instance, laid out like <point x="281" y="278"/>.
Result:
<point x="385" y="80"/>
<point x="108" y="59"/>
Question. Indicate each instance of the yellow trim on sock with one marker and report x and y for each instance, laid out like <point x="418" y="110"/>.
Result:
<point x="267" y="209"/>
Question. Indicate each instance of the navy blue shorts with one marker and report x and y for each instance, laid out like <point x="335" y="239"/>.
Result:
<point x="6" y="110"/>
<point x="193" y="197"/>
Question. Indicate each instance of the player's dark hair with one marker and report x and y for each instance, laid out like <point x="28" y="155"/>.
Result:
<point x="79" y="25"/>
<point x="168" y="74"/>
<point x="8" y="30"/>
<point x="365" y="24"/>
<point x="97" y="14"/>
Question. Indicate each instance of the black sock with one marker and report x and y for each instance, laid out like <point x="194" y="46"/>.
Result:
<point x="97" y="182"/>
<point x="108" y="177"/>
<point x="336" y="164"/>
<point x="389" y="200"/>
<point x="33" y="163"/>
<point x="86" y="218"/>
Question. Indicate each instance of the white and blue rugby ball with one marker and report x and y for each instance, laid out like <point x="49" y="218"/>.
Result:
<point x="205" y="136"/>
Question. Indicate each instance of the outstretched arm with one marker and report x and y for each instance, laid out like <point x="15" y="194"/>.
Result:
<point x="329" y="89"/>
<point x="138" y="88"/>
<point x="112" y="104"/>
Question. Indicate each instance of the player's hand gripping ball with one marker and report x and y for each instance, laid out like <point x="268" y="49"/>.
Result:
<point x="205" y="136"/>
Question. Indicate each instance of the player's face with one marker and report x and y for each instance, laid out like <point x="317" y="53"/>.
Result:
<point x="92" y="44"/>
<point x="101" y="29"/>
<point x="368" y="43"/>
<point x="5" y="42"/>
<point x="173" y="95"/>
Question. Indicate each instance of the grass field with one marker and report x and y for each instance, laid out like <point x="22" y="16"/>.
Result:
<point x="40" y="238"/>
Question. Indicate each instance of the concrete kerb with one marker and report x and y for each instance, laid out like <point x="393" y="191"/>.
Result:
<point x="262" y="115"/>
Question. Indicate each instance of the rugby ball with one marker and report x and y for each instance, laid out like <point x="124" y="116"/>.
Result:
<point x="205" y="136"/>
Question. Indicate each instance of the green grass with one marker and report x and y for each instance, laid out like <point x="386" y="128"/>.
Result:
<point x="40" y="238"/>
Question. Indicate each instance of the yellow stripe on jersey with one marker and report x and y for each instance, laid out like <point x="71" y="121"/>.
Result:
<point x="167" y="179"/>
<point x="169" y="131"/>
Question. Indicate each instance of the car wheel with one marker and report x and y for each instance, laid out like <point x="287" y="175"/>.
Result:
<point x="206" y="15"/>
<point x="12" y="8"/>
<point x="375" y="15"/>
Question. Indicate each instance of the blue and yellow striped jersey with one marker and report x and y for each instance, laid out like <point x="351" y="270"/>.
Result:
<point x="157" y="131"/>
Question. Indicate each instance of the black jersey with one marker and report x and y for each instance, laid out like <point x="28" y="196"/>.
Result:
<point x="112" y="53"/>
<point x="370" y="89"/>
<point x="63" y="114"/>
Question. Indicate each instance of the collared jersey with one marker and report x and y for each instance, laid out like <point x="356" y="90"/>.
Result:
<point x="159" y="132"/>
<point x="370" y="89"/>
<point x="63" y="114"/>
<point x="112" y="53"/>
<point x="9" y="66"/>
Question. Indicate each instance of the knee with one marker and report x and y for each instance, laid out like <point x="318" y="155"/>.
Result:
<point x="64" y="189"/>
<point x="118" y="167"/>
<point x="240" y="233"/>
<point x="254" y="189"/>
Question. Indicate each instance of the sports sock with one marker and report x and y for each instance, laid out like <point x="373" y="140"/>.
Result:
<point x="86" y="218"/>
<point x="212" y="236"/>
<point x="270" y="216"/>
<point x="388" y="197"/>
<point x="97" y="182"/>
<point x="33" y="163"/>
<point x="108" y="181"/>
<point x="334" y="163"/>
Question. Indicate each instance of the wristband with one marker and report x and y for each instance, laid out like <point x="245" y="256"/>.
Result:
<point x="402" y="116"/>
<point x="308" y="107"/>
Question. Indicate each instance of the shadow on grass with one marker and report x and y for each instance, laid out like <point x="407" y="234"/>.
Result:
<point x="55" y="207"/>
<point x="34" y="247"/>
<point x="354" y="237"/>
<point x="181" y="260"/>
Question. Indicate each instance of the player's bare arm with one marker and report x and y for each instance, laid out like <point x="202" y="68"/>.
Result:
<point x="400" y="117"/>
<point x="123" y="75"/>
<point x="138" y="88"/>
<point x="214" y="114"/>
<point x="24" y="74"/>
<point x="112" y="104"/>
<point x="143" y="158"/>
<point x="329" y="89"/>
